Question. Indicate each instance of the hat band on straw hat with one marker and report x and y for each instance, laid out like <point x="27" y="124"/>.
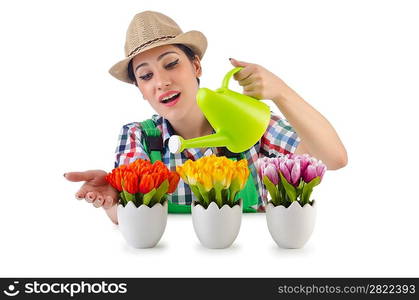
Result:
<point x="150" y="42"/>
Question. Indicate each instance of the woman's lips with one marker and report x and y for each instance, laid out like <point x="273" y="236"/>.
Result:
<point x="168" y="94"/>
<point x="173" y="102"/>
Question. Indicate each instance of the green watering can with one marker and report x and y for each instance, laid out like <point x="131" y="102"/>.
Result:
<point x="239" y="121"/>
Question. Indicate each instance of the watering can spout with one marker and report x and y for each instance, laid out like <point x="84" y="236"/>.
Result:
<point x="238" y="120"/>
<point x="177" y="144"/>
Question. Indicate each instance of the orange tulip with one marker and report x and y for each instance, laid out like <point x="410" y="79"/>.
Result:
<point x="141" y="176"/>
<point x="159" y="177"/>
<point x="115" y="177"/>
<point x="140" y="163"/>
<point x="173" y="182"/>
<point x="130" y="181"/>
<point x="141" y="166"/>
<point x="146" y="184"/>
<point x="158" y="166"/>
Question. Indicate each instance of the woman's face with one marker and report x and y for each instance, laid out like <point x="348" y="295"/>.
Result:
<point x="167" y="79"/>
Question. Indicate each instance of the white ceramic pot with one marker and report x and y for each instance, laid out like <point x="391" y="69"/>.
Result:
<point x="216" y="228"/>
<point x="142" y="227"/>
<point x="291" y="227"/>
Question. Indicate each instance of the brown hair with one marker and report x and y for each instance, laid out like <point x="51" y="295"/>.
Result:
<point x="188" y="52"/>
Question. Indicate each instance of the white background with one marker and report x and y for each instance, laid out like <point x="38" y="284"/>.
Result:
<point x="356" y="62"/>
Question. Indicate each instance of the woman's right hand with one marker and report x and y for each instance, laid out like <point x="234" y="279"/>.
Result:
<point x="96" y="189"/>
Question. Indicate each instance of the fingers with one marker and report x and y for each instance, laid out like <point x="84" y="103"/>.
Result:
<point x="253" y="94"/>
<point x="247" y="70"/>
<point x="247" y="81"/>
<point x="98" y="201"/>
<point x="104" y="201"/>
<point x="238" y="63"/>
<point x="109" y="202"/>
<point x="253" y="86"/>
<point x="80" y="176"/>
<point x="90" y="197"/>
<point x="80" y="195"/>
<point x="243" y="74"/>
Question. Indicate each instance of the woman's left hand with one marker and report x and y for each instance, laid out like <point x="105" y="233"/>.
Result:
<point x="258" y="82"/>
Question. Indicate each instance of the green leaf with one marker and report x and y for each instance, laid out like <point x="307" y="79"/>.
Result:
<point x="224" y="196"/>
<point x="138" y="199"/>
<point x="148" y="196"/>
<point x="123" y="200"/>
<point x="272" y="189"/>
<point x="203" y="193"/>
<point x="308" y="189"/>
<point x="198" y="196"/>
<point x="289" y="188"/>
<point x="162" y="189"/>
<point x="301" y="185"/>
<point x="218" y="197"/>
<point x="211" y="196"/>
<point x="300" y="188"/>
<point x="234" y="189"/>
<point x="282" y="195"/>
<point x="163" y="199"/>
<point x="128" y="196"/>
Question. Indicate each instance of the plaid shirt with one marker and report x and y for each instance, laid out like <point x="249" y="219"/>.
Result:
<point x="278" y="139"/>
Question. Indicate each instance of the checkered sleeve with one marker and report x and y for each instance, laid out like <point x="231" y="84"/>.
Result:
<point x="279" y="138"/>
<point x="129" y="146"/>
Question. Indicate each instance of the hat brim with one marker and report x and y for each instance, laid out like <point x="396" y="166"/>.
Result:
<point x="192" y="39"/>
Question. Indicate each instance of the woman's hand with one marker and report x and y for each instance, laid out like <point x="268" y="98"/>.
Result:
<point x="258" y="82"/>
<point x="96" y="189"/>
<point x="318" y="137"/>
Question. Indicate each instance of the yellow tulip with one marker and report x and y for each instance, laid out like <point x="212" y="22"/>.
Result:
<point x="206" y="180"/>
<point x="181" y="171"/>
<point x="215" y="173"/>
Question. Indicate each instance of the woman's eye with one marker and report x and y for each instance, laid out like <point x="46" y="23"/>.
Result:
<point x="168" y="66"/>
<point x="146" y="76"/>
<point x="172" y="64"/>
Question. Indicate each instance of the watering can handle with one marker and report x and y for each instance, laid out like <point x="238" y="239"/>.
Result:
<point x="228" y="76"/>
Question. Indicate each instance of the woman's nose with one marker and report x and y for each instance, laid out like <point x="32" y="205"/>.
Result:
<point x="162" y="80"/>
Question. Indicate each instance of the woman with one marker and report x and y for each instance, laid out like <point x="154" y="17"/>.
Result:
<point x="165" y="64"/>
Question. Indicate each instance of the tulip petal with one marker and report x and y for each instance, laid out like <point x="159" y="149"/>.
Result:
<point x="295" y="173"/>
<point x="320" y="170"/>
<point x="284" y="171"/>
<point x="310" y="173"/>
<point x="272" y="174"/>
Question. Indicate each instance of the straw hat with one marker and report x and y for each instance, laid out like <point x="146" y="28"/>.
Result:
<point x="149" y="29"/>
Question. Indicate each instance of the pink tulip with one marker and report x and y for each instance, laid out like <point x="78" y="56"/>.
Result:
<point x="285" y="172"/>
<point x="313" y="160"/>
<point x="289" y="163"/>
<point x="276" y="161"/>
<point x="295" y="173"/>
<point x="320" y="169"/>
<point x="310" y="173"/>
<point x="261" y="165"/>
<point x="293" y="167"/>
<point x="272" y="173"/>
<point x="304" y="161"/>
